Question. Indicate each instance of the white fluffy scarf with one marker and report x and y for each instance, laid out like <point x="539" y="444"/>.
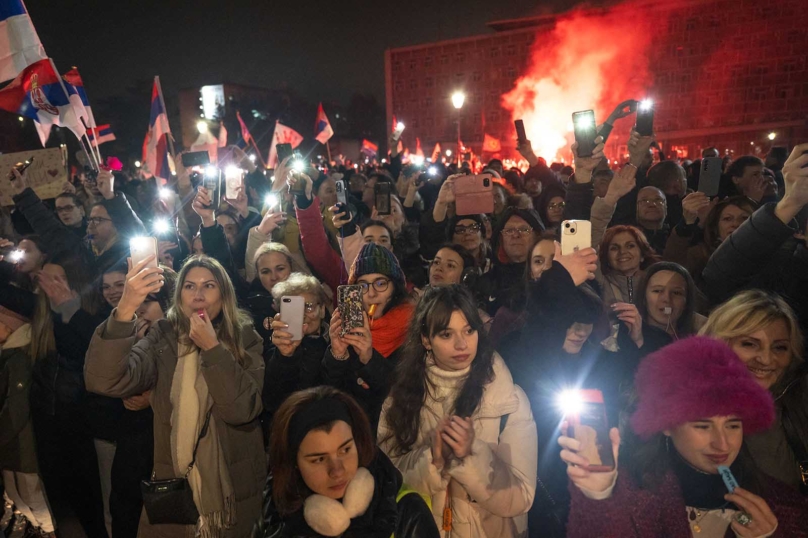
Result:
<point x="209" y="478"/>
<point x="329" y="517"/>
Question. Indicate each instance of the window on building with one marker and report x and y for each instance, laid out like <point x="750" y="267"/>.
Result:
<point x="413" y="84"/>
<point x="494" y="52"/>
<point x="460" y="57"/>
<point x="510" y="50"/>
<point x="477" y="76"/>
<point x="429" y="82"/>
<point x="428" y="61"/>
<point x="413" y="64"/>
<point x="444" y="59"/>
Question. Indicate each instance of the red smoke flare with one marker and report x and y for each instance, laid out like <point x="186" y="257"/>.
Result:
<point x="593" y="59"/>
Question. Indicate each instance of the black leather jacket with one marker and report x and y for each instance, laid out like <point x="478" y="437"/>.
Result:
<point x="409" y="518"/>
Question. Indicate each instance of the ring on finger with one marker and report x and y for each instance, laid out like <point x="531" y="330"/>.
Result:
<point x="744" y="519"/>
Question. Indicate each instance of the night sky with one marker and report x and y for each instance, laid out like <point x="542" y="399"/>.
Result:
<point x="325" y="50"/>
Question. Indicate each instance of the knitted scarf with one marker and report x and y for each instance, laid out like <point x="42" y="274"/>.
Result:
<point x="390" y="330"/>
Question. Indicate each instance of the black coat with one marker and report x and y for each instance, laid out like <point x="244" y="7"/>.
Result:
<point x="408" y="518"/>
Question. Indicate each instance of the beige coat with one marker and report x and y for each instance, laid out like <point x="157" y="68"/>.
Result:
<point x="119" y="367"/>
<point x="493" y="488"/>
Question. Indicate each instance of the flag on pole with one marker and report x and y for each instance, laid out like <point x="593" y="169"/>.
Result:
<point x="322" y="127"/>
<point x="369" y="149"/>
<point x="155" y="145"/>
<point x="19" y="42"/>
<point x="222" y="136"/>
<point x="245" y="133"/>
<point x="491" y="144"/>
<point x="73" y="78"/>
<point x="282" y="135"/>
<point x="105" y="134"/>
<point x="418" y="151"/>
<point x="395" y="122"/>
<point x="436" y="153"/>
<point x="37" y="93"/>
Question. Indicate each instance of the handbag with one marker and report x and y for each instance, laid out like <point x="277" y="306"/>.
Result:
<point x="171" y="501"/>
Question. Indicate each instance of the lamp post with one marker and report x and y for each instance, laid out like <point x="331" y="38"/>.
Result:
<point x="458" y="98"/>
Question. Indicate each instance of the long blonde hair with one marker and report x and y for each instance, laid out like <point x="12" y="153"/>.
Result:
<point x="233" y="319"/>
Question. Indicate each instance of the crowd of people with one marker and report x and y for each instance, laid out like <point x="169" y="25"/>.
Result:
<point x="167" y="396"/>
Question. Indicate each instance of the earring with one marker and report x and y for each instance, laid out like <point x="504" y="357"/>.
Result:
<point x="428" y="356"/>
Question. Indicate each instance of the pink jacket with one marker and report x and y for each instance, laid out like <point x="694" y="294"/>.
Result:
<point x="323" y="260"/>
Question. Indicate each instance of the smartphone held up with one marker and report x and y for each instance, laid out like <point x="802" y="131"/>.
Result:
<point x="585" y="130"/>
<point x="585" y="412"/>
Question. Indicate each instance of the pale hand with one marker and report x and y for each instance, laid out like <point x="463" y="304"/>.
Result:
<point x="638" y="147"/>
<point x="795" y="176"/>
<point x="361" y="340"/>
<point x="140" y="282"/>
<point x="525" y="149"/>
<point x="138" y="402"/>
<point x="339" y="347"/>
<point x="240" y="202"/>
<point x="440" y="450"/>
<point x="628" y="314"/>
<point x="202" y="332"/>
<point x="203" y="206"/>
<point x="271" y="221"/>
<point x="105" y="182"/>
<point x="55" y="288"/>
<point x="576" y="463"/>
<point x="692" y="206"/>
<point x="581" y="265"/>
<point x="294" y="177"/>
<point x="458" y="434"/>
<point x="20" y="181"/>
<point x="764" y="522"/>
<point x="757" y="189"/>
<point x="281" y="174"/>
<point x="584" y="166"/>
<point x="68" y="187"/>
<point x="446" y="194"/>
<point x="622" y="184"/>
<point x="339" y="219"/>
<point x="282" y="339"/>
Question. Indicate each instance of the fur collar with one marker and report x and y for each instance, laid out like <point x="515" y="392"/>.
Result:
<point x="330" y="517"/>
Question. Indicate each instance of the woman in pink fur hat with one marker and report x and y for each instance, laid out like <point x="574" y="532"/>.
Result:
<point x="695" y="402"/>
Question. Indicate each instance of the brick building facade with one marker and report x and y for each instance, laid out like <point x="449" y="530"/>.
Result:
<point x="725" y="73"/>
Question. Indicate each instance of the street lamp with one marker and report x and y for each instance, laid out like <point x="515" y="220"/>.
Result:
<point x="458" y="98"/>
<point x="202" y="127"/>
<point x="772" y="136"/>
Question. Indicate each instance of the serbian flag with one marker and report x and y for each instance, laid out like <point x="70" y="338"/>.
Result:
<point x="155" y="145"/>
<point x="436" y="153"/>
<point x="282" y="135"/>
<point x="245" y="133"/>
<point x="395" y="122"/>
<point x="73" y="78"/>
<point x="491" y="144"/>
<point x="418" y="151"/>
<point x="19" y="42"/>
<point x="37" y="93"/>
<point x="322" y="127"/>
<point x="105" y="134"/>
<point x="369" y="149"/>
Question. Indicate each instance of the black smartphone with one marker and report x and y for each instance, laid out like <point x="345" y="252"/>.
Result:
<point x="20" y="167"/>
<point x="283" y="150"/>
<point x="710" y="175"/>
<point x="195" y="158"/>
<point x="382" y="191"/>
<point x="584" y="127"/>
<point x="645" y="119"/>
<point x="590" y="426"/>
<point x="521" y="136"/>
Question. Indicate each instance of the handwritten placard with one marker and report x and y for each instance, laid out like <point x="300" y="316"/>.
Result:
<point x="46" y="175"/>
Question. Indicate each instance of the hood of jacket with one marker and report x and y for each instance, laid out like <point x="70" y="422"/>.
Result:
<point x="528" y="215"/>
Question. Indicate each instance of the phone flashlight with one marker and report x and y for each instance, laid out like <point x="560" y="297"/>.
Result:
<point x="16" y="256"/>
<point x="569" y="402"/>
<point x="298" y="165"/>
<point x="211" y="171"/>
<point x="139" y="242"/>
<point x="433" y="170"/>
<point x="165" y="193"/>
<point x="646" y="104"/>
<point x="270" y="200"/>
<point x="418" y="160"/>
<point x="399" y="126"/>
<point x="161" y="226"/>
<point x="252" y="158"/>
<point x="584" y="121"/>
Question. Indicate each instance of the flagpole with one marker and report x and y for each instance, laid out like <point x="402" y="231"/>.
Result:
<point x="67" y="96"/>
<point x="163" y="103"/>
<point x="258" y="151"/>
<point x="328" y="149"/>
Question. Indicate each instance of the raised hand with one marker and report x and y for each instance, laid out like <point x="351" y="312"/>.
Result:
<point x="361" y="340"/>
<point x="283" y="339"/>
<point x="202" y="332"/>
<point x="584" y="166"/>
<point x="339" y="219"/>
<point x="140" y="282"/>
<point x="576" y="464"/>
<point x="525" y="149"/>
<point x="628" y="314"/>
<point x="638" y="147"/>
<point x="271" y="222"/>
<point x="693" y="206"/>
<point x="581" y="265"/>
<point x="240" y="202"/>
<point x="203" y="206"/>
<point x="622" y="184"/>
<point x="105" y="182"/>
<point x="56" y="289"/>
<point x="795" y="176"/>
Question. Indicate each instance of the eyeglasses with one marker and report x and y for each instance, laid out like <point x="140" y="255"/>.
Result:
<point x="557" y="205"/>
<point x="380" y="285"/>
<point x="510" y="232"/>
<point x="651" y="202"/>
<point x="311" y="307"/>
<point x="65" y="209"/>
<point x="471" y="229"/>
<point x="96" y="221"/>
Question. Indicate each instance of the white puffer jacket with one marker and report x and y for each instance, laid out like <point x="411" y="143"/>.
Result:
<point x="493" y="488"/>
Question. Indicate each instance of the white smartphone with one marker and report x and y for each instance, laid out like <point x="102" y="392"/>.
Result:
<point x="141" y="248"/>
<point x="233" y="179"/>
<point x="293" y="309"/>
<point x="575" y="235"/>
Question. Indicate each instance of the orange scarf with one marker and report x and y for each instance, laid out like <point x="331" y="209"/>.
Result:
<point x="390" y="330"/>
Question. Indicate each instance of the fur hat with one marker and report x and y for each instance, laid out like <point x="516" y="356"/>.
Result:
<point x="375" y="259"/>
<point x="693" y="379"/>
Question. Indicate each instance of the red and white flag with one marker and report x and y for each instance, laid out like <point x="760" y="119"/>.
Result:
<point x="418" y="151"/>
<point x="322" y="127"/>
<point x="245" y="133"/>
<point x="436" y="153"/>
<point x="222" y="136"/>
<point x="282" y="135"/>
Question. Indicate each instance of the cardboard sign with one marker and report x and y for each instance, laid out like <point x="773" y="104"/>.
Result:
<point x="46" y="175"/>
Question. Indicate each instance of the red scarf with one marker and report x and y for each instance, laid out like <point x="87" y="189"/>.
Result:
<point x="390" y="330"/>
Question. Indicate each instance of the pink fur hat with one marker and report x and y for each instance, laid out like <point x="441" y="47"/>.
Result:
<point x="697" y="378"/>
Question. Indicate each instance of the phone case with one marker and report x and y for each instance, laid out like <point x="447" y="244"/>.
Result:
<point x="142" y="247"/>
<point x="521" y="136"/>
<point x="341" y="196"/>
<point x="232" y="184"/>
<point x="293" y="309"/>
<point x="474" y="194"/>
<point x="214" y="187"/>
<point x="350" y="307"/>
<point x="645" y="122"/>
<point x="382" y="192"/>
<point x="195" y="158"/>
<point x="710" y="175"/>
<point x="575" y="235"/>
<point x="590" y="426"/>
<point x="584" y="128"/>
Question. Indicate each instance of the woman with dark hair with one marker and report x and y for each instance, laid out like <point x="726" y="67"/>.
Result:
<point x="469" y="232"/>
<point x="695" y="403"/>
<point x="328" y="478"/>
<point x="624" y="254"/>
<point x="551" y="206"/>
<point x="764" y="332"/>
<point x="29" y="260"/>
<point x="361" y="361"/>
<point x="452" y="264"/>
<point x="204" y="366"/>
<point x="703" y="228"/>
<point x="456" y="425"/>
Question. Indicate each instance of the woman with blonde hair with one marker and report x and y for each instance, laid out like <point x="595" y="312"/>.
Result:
<point x="763" y="331"/>
<point x="204" y="366"/>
